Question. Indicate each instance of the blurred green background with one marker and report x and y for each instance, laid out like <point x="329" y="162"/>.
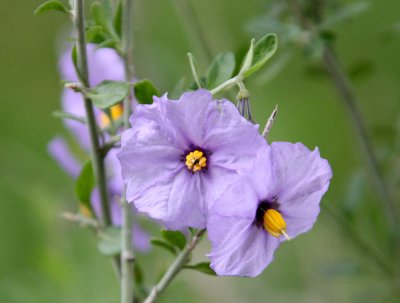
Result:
<point x="44" y="259"/>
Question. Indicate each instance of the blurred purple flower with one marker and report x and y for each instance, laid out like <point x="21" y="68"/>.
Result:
<point x="281" y="200"/>
<point x="180" y="155"/>
<point x="103" y="64"/>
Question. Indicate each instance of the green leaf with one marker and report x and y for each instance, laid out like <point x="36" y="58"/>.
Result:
<point x="194" y="69"/>
<point x="108" y="43"/>
<point x="108" y="93"/>
<point x="203" y="267"/>
<point x="117" y="22"/>
<point x="49" y="6"/>
<point x="144" y="91"/>
<point x="176" y="238"/>
<point x="264" y="49"/>
<point x="99" y="15"/>
<point x="110" y="241"/>
<point x="221" y="69"/>
<point x="248" y="59"/>
<point x="163" y="244"/>
<point x="95" y="34"/>
<point x="74" y="57"/>
<point x="85" y="183"/>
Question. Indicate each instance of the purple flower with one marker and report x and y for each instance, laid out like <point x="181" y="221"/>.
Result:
<point x="280" y="200"/>
<point x="103" y="64"/>
<point x="180" y="155"/>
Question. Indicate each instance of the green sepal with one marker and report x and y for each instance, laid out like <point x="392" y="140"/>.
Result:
<point x="203" y="267"/>
<point x="110" y="241"/>
<point x="108" y="93"/>
<point x="51" y="6"/>
<point x="144" y="91"/>
<point x="176" y="238"/>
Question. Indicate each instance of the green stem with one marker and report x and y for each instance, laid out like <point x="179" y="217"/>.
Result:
<point x="127" y="254"/>
<point x="175" y="268"/>
<point x="226" y="84"/>
<point x="97" y="160"/>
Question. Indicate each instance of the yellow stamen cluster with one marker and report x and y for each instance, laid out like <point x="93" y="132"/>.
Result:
<point x="116" y="112"/>
<point x="274" y="223"/>
<point x="195" y="161"/>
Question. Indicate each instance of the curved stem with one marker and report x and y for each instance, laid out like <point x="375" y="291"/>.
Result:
<point x="83" y="74"/>
<point x="175" y="268"/>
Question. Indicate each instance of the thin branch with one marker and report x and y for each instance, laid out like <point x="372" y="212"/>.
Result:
<point x="127" y="254"/>
<point x="97" y="160"/>
<point x="381" y="262"/>
<point x="349" y="99"/>
<point x="175" y="268"/>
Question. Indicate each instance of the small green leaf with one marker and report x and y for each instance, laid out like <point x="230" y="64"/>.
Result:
<point x="108" y="93"/>
<point x="51" y="5"/>
<point x="99" y="16"/>
<point x="163" y="244"/>
<point x="176" y="238"/>
<point x="85" y="183"/>
<point x="117" y="21"/>
<point x="264" y="49"/>
<point x="95" y="34"/>
<point x="203" y="267"/>
<point x="248" y="59"/>
<point x="108" y="43"/>
<point x="194" y="69"/>
<point x="110" y="241"/>
<point x="221" y="69"/>
<point x="144" y="91"/>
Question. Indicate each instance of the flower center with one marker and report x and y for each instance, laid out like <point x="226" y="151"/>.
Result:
<point x="196" y="161"/>
<point x="271" y="220"/>
<point x="116" y="112"/>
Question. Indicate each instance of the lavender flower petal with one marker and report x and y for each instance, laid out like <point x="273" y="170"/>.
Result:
<point x="59" y="150"/>
<point x="301" y="178"/>
<point x="238" y="247"/>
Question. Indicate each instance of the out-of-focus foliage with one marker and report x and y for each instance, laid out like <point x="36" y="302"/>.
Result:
<point x="44" y="259"/>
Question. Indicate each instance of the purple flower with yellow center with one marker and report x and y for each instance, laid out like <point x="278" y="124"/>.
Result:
<point x="279" y="201"/>
<point x="104" y="64"/>
<point x="180" y="155"/>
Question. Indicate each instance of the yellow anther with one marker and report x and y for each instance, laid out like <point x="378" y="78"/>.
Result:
<point x="203" y="162"/>
<point x="195" y="161"/>
<point x="116" y="112"/>
<point x="274" y="223"/>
